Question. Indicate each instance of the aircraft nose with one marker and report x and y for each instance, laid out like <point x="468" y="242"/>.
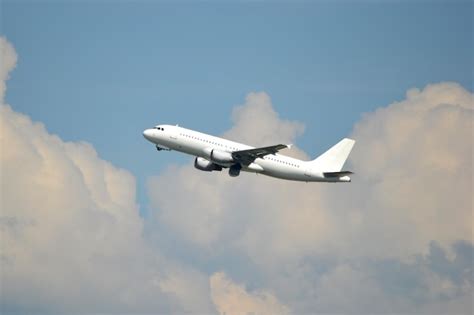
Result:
<point x="148" y="133"/>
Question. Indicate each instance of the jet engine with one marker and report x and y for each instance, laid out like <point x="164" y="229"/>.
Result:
<point x="234" y="170"/>
<point x="222" y="158"/>
<point x="205" y="165"/>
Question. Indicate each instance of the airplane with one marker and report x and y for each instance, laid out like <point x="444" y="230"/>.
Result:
<point x="214" y="154"/>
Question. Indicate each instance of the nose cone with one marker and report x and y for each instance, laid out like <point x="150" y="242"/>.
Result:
<point x="148" y="134"/>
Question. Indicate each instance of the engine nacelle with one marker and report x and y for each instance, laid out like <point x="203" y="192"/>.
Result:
<point x="205" y="165"/>
<point x="234" y="170"/>
<point x="222" y="158"/>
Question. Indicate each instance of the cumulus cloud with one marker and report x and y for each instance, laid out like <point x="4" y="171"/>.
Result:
<point x="234" y="299"/>
<point x="257" y="123"/>
<point x="8" y="58"/>
<point x="419" y="286"/>
<point x="414" y="183"/>
<point x="309" y="242"/>
<point x="70" y="230"/>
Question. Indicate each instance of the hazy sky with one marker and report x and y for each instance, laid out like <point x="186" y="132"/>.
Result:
<point x="395" y="75"/>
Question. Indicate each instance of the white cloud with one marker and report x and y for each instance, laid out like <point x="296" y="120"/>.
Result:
<point x="234" y="299"/>
<point x="8" y="60"/>
<point x="414" y="175"/>
<point x="345" y="290"/>
<point x="257" y="123"/>
<point x="70" y="230"/>
<point x="413" y="184"/>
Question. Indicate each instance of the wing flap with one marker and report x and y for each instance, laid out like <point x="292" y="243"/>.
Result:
<point x="246" y="157"/>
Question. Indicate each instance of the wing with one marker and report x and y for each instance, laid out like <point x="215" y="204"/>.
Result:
<point x="245" y="157"/>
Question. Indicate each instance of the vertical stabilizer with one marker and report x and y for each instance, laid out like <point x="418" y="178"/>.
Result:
<point x="333" y="159"/>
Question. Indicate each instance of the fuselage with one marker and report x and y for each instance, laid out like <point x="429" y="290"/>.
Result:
<point x="168" y="137"/>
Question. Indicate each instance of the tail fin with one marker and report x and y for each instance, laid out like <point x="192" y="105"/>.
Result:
<point x="333" y="159"/>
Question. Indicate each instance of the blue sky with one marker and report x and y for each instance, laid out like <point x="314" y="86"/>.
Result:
<point x="102" y="72"/>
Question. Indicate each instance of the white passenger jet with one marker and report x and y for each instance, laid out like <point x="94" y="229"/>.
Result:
<point x="214" y="154"/>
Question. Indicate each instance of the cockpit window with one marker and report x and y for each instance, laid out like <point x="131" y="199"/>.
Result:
<point x="159" y="128"/>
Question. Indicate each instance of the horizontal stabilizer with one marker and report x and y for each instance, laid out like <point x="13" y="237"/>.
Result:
<point x="337" y="174"/>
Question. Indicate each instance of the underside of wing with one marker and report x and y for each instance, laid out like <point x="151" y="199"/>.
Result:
<point x="337" y="174"/>
<point x="245" y="157"/>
